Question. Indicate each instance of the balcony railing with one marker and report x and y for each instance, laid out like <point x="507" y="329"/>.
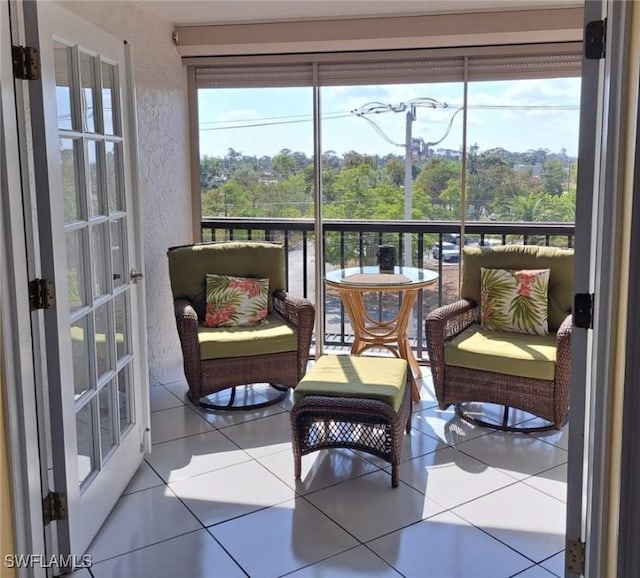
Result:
<point x="354" y="243"/>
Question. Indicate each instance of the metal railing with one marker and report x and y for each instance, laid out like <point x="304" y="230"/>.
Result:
<point x="354" y="243"/>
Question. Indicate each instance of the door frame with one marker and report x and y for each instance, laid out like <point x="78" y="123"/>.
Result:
<point x="593" y="441"/>
<point x="591" y="112"/>
<point x="18" y="366"/>
<point x="629" y="522"/>
<point x="601" y="463"/>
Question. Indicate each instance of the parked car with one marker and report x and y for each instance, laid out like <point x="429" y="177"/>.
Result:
<point x="475" y="242"/>
<point x="450" y="252"/>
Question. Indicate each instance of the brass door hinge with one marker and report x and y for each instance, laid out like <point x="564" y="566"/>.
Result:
<point x="26" y="62"/>
<point x="41" y="294"/>
<point x="575" y="556"/>
<point x="54" y="507"/>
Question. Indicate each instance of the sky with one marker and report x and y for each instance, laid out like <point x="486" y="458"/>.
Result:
<point x="515" y="115"/>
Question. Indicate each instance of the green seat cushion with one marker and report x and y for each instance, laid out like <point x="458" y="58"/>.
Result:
<point x="274" y="336"/>
<point x="378" y="378"/>
<point x="519" y="354"/>
<point x="77" y="334"/>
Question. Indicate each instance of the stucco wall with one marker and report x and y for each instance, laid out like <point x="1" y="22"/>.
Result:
<point x="161" y="94"/>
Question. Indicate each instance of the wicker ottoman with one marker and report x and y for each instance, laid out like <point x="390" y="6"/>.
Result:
<point x="361" y="403"/>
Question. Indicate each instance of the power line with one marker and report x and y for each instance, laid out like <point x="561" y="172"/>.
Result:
<point x="382" y="134"/>
<point x="272" y="123"/>
<point x="300" y="118"/>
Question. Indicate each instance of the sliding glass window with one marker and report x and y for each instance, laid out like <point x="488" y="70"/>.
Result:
<point x="422" y="150"/>
<point x="522" y="151"/>
<point x="256" y="152"/>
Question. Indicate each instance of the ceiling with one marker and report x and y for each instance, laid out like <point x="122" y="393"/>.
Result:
<point x="194" y="12"/>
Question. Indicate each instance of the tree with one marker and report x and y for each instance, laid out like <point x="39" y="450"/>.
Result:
<point x="540" y="207"/>
<point x="500" y="184"/>
<point x="213" y="203"/>
<point x="552" y="177"/>
<point x="230" y="160"/>
<point x="284" y="165"/>
<point x="351" y="197"/>
<point x="434" y="177"/>
<point x="211" y="172"/>
<point x="354" y="159"/>
<point x="451" y="199"/>
<point x="288" y="199"/>
<point x="492" y="183"/>
<point x="394" y="169"/>
<point x="236" y="200"/>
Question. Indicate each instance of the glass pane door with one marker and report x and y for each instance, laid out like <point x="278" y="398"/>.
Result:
<point x="86" y="217"/>
<point x="90" y="136"/>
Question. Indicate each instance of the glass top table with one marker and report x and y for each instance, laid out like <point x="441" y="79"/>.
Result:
<point x="353" y="283"/>
<point x="370" y="278"/>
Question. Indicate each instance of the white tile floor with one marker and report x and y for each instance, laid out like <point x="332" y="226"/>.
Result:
<point x="217" y="498"/>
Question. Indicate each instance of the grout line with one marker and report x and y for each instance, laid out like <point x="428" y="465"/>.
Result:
<point x="148" y="546"/>
<point x="298" y="496"/>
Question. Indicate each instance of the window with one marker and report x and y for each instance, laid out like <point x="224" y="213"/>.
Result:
<point x="395" y="131"/>
<point x="411" y="145"/>
<point x="256" y="152"/>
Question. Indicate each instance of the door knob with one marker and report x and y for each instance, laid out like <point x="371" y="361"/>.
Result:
<point x="136" y="276"/>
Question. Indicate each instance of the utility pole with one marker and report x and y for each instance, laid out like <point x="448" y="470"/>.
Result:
<point x="410" y="108"/>
<point x="408" y="182"/>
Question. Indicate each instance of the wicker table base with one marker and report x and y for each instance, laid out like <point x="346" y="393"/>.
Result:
<point x="354" y="283"/>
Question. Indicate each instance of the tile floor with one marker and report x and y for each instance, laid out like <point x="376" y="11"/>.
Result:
<point x="217" y="498"/>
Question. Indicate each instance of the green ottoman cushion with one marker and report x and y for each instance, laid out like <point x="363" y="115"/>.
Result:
<point x="378" y="378"/>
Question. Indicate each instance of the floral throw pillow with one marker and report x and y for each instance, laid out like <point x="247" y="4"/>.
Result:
<point x="514" y="300"/>
<point x="235" y="301"/>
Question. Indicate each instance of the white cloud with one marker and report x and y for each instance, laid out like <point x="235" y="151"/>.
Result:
<point x="512" y="129"/>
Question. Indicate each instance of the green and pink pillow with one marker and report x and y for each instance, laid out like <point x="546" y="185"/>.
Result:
<point x="233" y="301"/>
<point x="512" y="300"/>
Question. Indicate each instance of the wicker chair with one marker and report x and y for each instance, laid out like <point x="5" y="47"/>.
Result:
<point x="215" y="359"/>
<point x="510" y="377"/>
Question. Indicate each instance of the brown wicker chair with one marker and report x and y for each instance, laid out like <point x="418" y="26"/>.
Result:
<point x="275" y="352"/>
<point x="506" y="383"/>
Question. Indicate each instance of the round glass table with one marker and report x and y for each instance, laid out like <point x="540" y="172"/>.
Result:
<point x="353" y="283"/>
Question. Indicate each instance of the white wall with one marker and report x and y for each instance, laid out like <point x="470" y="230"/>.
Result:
<point x="161" y="93"/>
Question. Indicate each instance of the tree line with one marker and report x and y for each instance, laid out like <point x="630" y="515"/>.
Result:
<point x="536" y="185"/>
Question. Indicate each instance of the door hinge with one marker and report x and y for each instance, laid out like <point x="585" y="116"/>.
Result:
<point x="575" y="556"/>
<point x="41" y="294"/>
<point x="595" y="40"/>
<point x="54" y="507"/>
<point x="583" y="310"/>
<point x="26" y="62"/>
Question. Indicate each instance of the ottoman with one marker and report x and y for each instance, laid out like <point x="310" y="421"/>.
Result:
<point x="361" y="403"/>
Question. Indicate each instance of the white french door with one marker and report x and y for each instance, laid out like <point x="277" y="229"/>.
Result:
<point x="87" y="225"/>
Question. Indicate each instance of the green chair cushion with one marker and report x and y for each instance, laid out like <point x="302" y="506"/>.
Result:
<point x="518" y="354"/>
<point x="274" y="336"/>
<point x="77" y="334"/>
<point x="559" y="261"/>
<point x="190" y="264"/>
<point x="378" y="378"/>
